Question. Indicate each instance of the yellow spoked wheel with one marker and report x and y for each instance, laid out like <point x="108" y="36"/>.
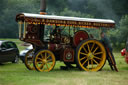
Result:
<point x="44" y="61"/>
<point x="91" y="55"/>
<point x="29" y="59"/>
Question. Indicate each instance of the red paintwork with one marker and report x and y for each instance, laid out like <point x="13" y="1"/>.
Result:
<point x="125" y="54"/>
<point x="65" y="55"/>
<point x="32" y="35"/>
<point x="79" y="36"/>
<point x="35" y="42"/>
<point x="54" y="47"/>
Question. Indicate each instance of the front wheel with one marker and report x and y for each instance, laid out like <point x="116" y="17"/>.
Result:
<point x="91" y="55"/>
<point x="29" y="59"/>
<point x="44" y="61"/>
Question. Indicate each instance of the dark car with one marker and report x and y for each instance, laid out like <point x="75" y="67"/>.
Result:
<point x="8" y="52"/>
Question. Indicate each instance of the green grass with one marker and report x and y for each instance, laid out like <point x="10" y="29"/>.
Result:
<point x="17" y="74"/>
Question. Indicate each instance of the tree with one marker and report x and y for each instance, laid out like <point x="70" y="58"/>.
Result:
<point x="9" y="10"/>
<point x="123" y="29"/>
<point x="56" y="6"/>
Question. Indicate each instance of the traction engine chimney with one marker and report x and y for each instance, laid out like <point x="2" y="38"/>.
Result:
<point x="42" y="7"/>
<point x="42" y="12"/>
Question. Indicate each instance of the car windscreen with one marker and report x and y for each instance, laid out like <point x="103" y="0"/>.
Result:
<point x="11" y="45"/>
<point x="4" y="46"/>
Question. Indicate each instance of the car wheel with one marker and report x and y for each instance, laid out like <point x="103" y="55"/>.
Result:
<point x="16" y="59"/>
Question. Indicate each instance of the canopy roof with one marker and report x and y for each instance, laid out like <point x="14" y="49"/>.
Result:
<point x="64" y="21"/>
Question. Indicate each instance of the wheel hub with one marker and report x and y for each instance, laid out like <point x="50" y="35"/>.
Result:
<point x="90" y="55"/>
<point x="44" y="61"/>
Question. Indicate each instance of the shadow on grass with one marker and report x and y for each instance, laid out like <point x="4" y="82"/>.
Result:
<point x="70" y="69"/>
<point x="5" y="64"/>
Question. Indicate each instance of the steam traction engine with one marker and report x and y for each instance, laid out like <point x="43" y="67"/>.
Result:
<point x="56" y="38"/>
<point x="62" y="41"/>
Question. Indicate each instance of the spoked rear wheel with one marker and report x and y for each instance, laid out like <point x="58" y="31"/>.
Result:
<point x="91" y="55"/>
<point x="44" y="61"/>
<point x="29" y="59"/>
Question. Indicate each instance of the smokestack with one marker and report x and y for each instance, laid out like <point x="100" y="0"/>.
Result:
<point x="43" y="7"/>
<point x="42" y="12"/>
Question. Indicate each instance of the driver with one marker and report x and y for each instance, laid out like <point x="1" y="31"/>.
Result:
<point x="56" y="34"/>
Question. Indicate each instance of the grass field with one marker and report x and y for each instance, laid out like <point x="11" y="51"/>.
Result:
<point x="17" y="74"/>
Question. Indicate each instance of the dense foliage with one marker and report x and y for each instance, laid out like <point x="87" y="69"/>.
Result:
<point x="107" y="9"/>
